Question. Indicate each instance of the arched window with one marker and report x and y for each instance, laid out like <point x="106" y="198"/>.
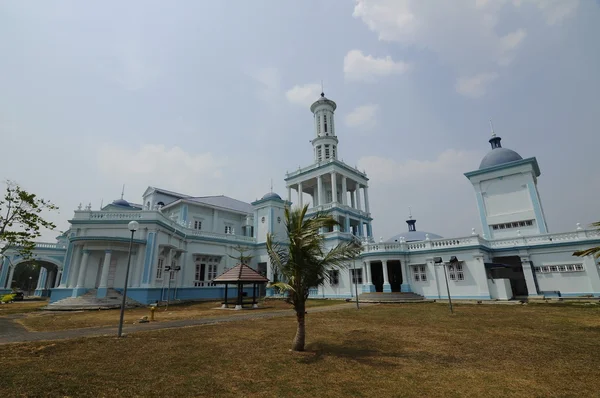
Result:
<point x="160" y="204"/>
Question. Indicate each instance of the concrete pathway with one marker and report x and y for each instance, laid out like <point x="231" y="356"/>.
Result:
<point x="11" y="332"/>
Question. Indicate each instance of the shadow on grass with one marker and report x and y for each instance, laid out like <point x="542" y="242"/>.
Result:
<point x="359" y="351"/>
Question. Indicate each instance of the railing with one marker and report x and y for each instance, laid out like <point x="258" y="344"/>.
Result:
<point x="44" y="245"/>
<point x="319" y="164"/>
<point x="329" y="206"/>
<point x="441" y="244"/>
<point x="154" y="215"/>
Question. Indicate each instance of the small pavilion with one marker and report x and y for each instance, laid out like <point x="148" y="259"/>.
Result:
<point x="241" y="275"/>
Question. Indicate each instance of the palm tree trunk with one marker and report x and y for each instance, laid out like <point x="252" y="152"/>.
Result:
<point x="300" y="338"/>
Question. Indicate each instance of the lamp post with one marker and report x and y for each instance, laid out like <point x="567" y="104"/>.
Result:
<point x="133" y="226"/>
<point x="29" y="288"/>
<point x="438" y="261"/>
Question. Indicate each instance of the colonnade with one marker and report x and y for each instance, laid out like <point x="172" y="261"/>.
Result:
<point x="319" y="198"/>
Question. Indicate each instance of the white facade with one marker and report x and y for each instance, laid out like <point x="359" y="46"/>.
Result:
<point x="515" y="256"/>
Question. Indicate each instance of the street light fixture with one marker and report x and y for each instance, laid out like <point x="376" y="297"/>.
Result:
<point x="133" y="226"/>
<point x="453" y="261"/>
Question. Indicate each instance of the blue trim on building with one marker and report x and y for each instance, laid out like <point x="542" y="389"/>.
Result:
<point x="537" y="208"/>
<point x="153" y="295"/>
<point x="60" y="293"/>
<point x="108" y="238"/>
<point x="148" y="257"/>
<point x="405" y="288"/>
<point x="504" y="166"/>
<point x="101" y="292"/>
<point x="482" y="297"/>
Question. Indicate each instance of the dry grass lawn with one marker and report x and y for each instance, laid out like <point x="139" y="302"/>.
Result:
<point x="64" y="320"/>
<point x="380" y="351"/>
<point x="20" y="307"/>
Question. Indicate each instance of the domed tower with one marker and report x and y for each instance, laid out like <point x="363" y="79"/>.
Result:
<point x="507" y="196"/>
<point x="325" y="142"/>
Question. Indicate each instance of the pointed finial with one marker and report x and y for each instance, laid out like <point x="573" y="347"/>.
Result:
<point x="322" y="90"/>
<point x="101" y="202"/>
<point x="123" y="191"/>
<point x="492" y="128"/>
<point x="271" y="185"/>
<point x="409" y="212"/>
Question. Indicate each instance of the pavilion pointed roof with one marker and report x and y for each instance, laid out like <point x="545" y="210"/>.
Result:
<point x="240" y="273"/>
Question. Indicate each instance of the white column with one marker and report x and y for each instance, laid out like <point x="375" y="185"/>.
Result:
<point x="334" y="187"/>
<point x="11" y="272"/>
<point x="352" y="200"/>
<point x="82" y="269"/>
<point x="105" y="268"/>
<point x="40" y="281"/>
<point x="58" y="278"/>
<point x="320" y="200"/>
<point x="300" y="194"/>
<point x="366" y="272"/>
<point x="386" y="280"/>
<point x="358" y="197"/>
<point x="366" y="192"/>
<point x="369" y="272"/>
<point x="139" y="260"/>
<point x="289" y="193"/>
<point x="344" y="190"/>
<point x="49" y="283"/>
<point x="528" y="273"/>
<point x="74" y="267"/>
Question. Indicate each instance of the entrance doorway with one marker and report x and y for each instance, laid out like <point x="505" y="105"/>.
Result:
<point x="395" y="274"/>
<point x="377" y="275"/>
<point x="513" y="272"/>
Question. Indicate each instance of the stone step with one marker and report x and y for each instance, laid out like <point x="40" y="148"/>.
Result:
<point x="89" y="301"/>
<point x="400" y="297"/>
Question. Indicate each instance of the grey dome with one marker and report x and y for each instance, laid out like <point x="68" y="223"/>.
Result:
<point x="121" y="202"/>
<point x="498" y="156"/>
<point x="271" y="195"/>
<point x="413" y="236"/>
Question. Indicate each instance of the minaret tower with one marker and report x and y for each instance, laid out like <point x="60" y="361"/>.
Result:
<point x="329" y="184"/>
<point x="325" y="142"/>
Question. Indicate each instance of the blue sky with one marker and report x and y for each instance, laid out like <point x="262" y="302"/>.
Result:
<point x="212" y="97"/>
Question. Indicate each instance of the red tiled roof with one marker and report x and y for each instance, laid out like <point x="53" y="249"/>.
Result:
<point x="240" y="273"/>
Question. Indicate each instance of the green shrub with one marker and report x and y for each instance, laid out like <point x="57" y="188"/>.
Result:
<point x="7" y="298"/>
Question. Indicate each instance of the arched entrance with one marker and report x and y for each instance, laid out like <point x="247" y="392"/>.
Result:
<point x="35" y="277"/>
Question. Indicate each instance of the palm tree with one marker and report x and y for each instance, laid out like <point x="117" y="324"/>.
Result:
<point x="594" y="251"/>
<point x="302" y="262"/>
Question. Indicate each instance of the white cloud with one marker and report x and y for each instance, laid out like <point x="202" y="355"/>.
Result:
<point x="463" y="34"/>
<point x="157" y="165"/>
<point x="474" y="86"/>
<point x="303" y="95"/>
<point x="357" y="66"/>
<point x="364" y="116"/>
<point x="436" y="189"/>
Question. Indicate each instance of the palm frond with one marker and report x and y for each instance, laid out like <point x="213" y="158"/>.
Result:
<point x="594" y="251"/>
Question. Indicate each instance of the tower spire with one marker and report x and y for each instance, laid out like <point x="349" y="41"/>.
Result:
<point x="322" y="90"/>
<point x="495" y="140"/>
<point x="123" y="191"/>
<point x="271" y="185"/>
<point x="409" y="212"/>
<point x="492" y="128"/>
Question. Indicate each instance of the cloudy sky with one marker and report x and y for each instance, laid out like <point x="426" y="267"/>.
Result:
<point x="212" y="97"/>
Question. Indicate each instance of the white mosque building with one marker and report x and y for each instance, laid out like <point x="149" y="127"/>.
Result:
<point x="184" y="241"/>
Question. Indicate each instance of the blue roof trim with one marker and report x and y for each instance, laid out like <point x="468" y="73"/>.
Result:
<point x="532" y="161"/>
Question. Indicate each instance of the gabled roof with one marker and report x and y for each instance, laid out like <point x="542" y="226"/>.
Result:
<point x="225" y="202"/>
<point x="178" y="195"/>
<point x="240" y="273"/>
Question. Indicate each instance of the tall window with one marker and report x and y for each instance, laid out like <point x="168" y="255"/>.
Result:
<point x="319" y="154"/>
<point x="357" y="276"/>
<point x="172" y="272"/>
<point x="334" y="151"/>
<point x="334" y="277"/>
<point x="197" y="224"/>
<point x="160" y="268"/>
<point x="455" y="272"/>
<point x="318" y="125"/>
<point x="326" y="151"/>
<point x="212" y="271"/>
<point x="325" y="122"/>
<point x="227" y="229"/>
<point x="420" y="273"/>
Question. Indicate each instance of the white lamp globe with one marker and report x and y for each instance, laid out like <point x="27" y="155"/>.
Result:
<point x="133" y="226"/>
